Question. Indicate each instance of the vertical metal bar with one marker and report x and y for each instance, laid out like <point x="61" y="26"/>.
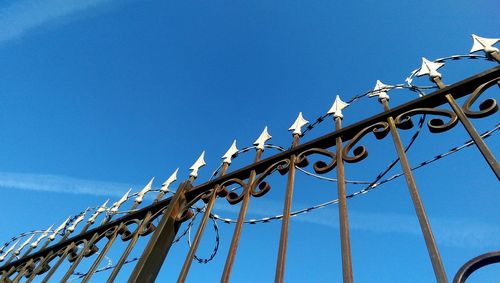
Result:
<point x="280" y="265"/>
<point x="21" y="272"/>
<point x="58" y="263"/>
<point x="106" y="248"/>
<point x="129" y="248"/>
<point x="417" y="202"/>
<point x="343" y="219"/>
<point x="239" y="225"/>
<point x="102" y="254"/>
<point x="77" y="261"/>
<point x="46" y="258"/>
<point x="495" y="56"/>
<point x="67" y="251"/>
<point x="154" y="254"/>
<point x="201" y="229"/>
<point x="480" y="144"/>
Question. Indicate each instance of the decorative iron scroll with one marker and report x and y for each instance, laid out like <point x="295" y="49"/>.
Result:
<point x="41" y="262"/>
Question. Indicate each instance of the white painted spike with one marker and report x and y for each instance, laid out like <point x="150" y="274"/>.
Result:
<point x="44" y="234"/>
<point x="116" y="205"/>
<point x="264" y="136"/>
<point x="484" y="44"/>
<point x="21" y="247"/>
<point x="298" y="124"/>
<point x="77" y="220"/>
<point x="2" y="257"/>
<point x="170" y="180"/>
<point x="58" y="229"/>
<point x="380" y="90"/>
<point x="100" y="210"/>
<point x="429" y="68"/>
<point x="337" y="107"/>
<point x="228" y="156"/>
<point x="147" y="188"/>
<point x="200" y="162"/>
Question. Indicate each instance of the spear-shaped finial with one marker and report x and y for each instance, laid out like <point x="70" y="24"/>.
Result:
<point x="264" y="136"/>
<point x="77" y="220"/>
<point x="228" y="156"/>
<point x="43" y="235"/>
<point x="298" y="124"/>
<point x="430" y="68"/>
<point x="484" y="44"/>
<point x="200" y="162"/>
<point x="2" y="257"/>
<point x="147" y="188"/>
<point x="116" y="205"/>
<point x="337" y="107"/>
<point x="380" y="90"/>
<point x="58" y="229"/>
<point x="21" y="247"/>
<point x="100" y="210"/>
<point x="170" y="180"/>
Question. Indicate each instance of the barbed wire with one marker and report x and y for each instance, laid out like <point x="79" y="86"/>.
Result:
<point x="369" y="188"/>
<point x="370" y="185"/>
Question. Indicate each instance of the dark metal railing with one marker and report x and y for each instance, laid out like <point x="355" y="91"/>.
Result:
<point x="44" y="261"/>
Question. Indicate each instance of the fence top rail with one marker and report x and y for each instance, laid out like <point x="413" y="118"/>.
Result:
<point x="432" y="100"/>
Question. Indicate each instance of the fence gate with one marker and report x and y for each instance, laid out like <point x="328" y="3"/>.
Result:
<point x="39" y="255"/>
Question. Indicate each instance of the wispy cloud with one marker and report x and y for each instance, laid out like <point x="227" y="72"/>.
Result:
<point x="23" y="16"/>
<point x="452" y="232"/>
<point x="61" y="184"/>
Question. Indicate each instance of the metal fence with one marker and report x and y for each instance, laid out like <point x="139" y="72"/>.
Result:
<point x="41" y="257"/>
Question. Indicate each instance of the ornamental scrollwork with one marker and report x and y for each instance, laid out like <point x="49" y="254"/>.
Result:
<point x="487" y="107"/>
<point x="234" y="197"/>
<point x="263" y="186"/>
<point x="320" y="166"/>
<point x="435" y="125"/>
<point x="380" y="130"/>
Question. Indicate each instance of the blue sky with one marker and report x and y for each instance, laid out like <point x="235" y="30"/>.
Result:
<point x="99" y="96"/>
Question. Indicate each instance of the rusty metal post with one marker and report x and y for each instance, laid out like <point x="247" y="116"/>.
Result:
<point x="280" y="265"/>
<point x="343" y="218"/>
<point x="239" y="225"/>
<point x="154" y="254"/>
<point x="480" y="144"/>
<point x="201" y="229"/>
<point x="417" y="202"/>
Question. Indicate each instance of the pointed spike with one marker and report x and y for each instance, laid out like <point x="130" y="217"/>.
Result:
<point x="169" y="181"/>
<point x="337" y="107"/>
<point x="100" y="210"/>
<point x="200" y="162"/>
<point x="484" y="44"/>
<point x="21" y="247"/>
<point x="2" y="257"/>
<point x="77" y="220"/>
<point x="44" y="234"/>
<point x="264" y="136"/>
<point x="430" y="68"/>
<point x="230" y="153"/>
<point x="381" y="90"/>
<point x="147" y="188"/>
<point x="116" y="205"/>
<point x="298" y="124"/>
<point x="58" y="229"/>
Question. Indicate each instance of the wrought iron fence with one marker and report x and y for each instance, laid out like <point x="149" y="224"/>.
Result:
<point x="26" y="260"/>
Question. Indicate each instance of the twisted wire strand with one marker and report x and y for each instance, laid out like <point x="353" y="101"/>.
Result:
<point x="371" y="185"/>
<point x="409" y="79"/>
<point x="369" y="188"/>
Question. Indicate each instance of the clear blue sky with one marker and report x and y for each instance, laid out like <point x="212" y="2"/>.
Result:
<point x="98" y="96"/>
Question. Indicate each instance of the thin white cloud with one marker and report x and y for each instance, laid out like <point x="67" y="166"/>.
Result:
<point x="23" y="16"/>
<point x="61" y="184"/>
